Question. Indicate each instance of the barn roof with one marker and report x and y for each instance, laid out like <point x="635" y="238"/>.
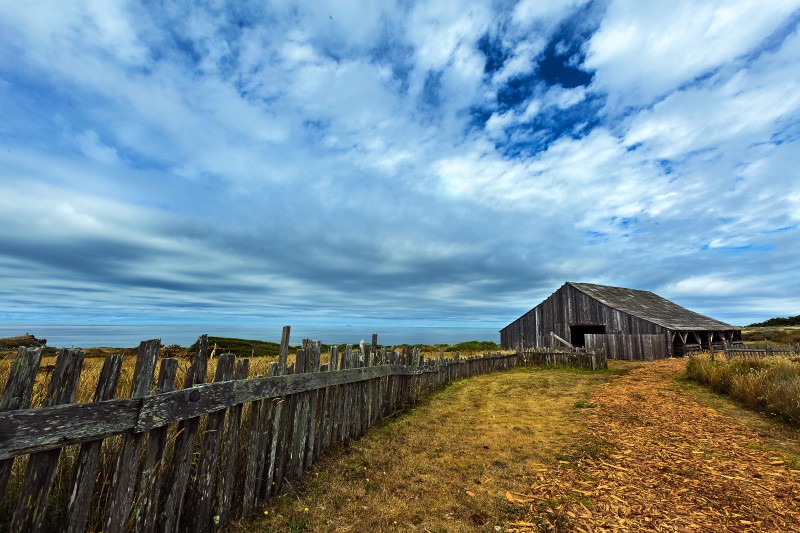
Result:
<point x="651" y="307"/>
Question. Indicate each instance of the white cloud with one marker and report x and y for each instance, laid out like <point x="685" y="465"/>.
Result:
<point x="531" y="12"/>
<point x="647" y="49"/>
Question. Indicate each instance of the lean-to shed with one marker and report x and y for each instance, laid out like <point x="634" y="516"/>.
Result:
<point x="625" y="323"/>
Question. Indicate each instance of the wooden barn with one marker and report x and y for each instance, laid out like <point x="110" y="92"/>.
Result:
<point x="625" y="323"/>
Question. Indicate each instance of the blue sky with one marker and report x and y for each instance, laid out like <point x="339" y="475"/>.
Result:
<point x="424" y="163"/>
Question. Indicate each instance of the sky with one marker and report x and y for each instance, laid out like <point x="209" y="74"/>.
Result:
<point x="409" y="163"/>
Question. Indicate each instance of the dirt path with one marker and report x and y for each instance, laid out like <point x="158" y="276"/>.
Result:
<point x="656" y="459"/>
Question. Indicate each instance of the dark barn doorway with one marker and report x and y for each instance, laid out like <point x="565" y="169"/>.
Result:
<point x="577" y="332"/>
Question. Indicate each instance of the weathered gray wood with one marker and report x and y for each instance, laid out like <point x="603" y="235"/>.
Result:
<point x="284" y="350"/>
<point x="35" y="430"/>
<point x="41" y="468"/>
<point x="88" y="461"/>
<point x="123" y="484"/>
<point x="184" y="445"/>
<point x="209" y="451"/>
<point x="330" y="402"/>
<point x="228" y="465"/>
<point x="300" y="430"/>
<point x="257" y="451"/>
<point x="19" y="386"/>
<point x="17" y="395"/>
<point x="276" y="431"/>
<point x="313" y="365"/>
<point x="152" y="470"/>
<point x="270" y="409"/>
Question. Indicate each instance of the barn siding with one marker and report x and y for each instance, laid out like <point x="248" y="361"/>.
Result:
<point x="629" y="347"/>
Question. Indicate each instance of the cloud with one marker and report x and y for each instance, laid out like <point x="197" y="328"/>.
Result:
<point x="428" y="163"/>
<point x="643" y="51"/>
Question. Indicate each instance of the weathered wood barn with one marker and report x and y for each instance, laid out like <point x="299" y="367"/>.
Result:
<point x="625" y="323"/>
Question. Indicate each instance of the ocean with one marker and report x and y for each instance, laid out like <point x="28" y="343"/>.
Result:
<point x="129" y="335"/>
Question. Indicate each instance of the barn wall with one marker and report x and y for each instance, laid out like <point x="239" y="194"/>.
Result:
<point x="568" y="306"/>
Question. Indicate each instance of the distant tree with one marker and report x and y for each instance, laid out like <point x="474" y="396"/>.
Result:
<point x="779" y="321"/>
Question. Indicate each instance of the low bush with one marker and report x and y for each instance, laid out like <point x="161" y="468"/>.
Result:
<point x="770" y="385"/>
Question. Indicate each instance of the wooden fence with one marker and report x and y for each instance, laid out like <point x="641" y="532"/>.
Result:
<point x="195" y="458"/>
<point x="588" y="359"/>
<point x="744" y="352"/>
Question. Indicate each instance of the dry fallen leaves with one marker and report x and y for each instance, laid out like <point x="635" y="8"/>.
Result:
<point x="656" y="460"/>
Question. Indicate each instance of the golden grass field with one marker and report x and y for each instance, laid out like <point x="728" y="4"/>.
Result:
<point x="447" y="464"/>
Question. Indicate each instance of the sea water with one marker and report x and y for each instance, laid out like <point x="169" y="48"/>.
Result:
<point x="129" y="335"/>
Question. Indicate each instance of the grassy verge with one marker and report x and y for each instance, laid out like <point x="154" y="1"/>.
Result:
<point x="770" y="385"/>
<point x="447" y="464"/>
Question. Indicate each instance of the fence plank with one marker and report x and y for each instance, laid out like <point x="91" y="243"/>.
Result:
<point x="184" y="445"/>
<point x="124" y="480"/>
<point x="41" y="468"/>
<point x="207" y="467"/>
<point x="17" y="395"/>
<point x="300" y="428"/>
<point x="228" y="465"/>
<point x="313" y="365"/>
<point x="88" y="461"/>
<point x="152" y="471"/>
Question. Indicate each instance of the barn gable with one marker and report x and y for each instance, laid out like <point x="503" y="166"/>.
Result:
<point x="626" y="323"/>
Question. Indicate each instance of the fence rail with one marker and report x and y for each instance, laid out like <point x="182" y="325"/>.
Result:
<point x="761" y="353"/>
<point x="195" y="458"/>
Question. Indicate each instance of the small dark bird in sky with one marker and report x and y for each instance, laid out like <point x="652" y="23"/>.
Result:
<point x="331" y="17"/>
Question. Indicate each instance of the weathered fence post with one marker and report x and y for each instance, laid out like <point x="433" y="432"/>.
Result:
<point x="184" y="445"/>
<point x="41" y="469"/>
<point x="17" y="395"/>
<point x="124" y="481"/>
<point x="209" y="451"/>
<point x="152" y="470"/>
<point x="89" y="455"/>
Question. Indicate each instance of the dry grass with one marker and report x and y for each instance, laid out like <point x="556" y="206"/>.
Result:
<point x="92" y="366"/>
<point x="771" y="385"/>
<point x="447" y="464"/>
<point x="772" y="335"/>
